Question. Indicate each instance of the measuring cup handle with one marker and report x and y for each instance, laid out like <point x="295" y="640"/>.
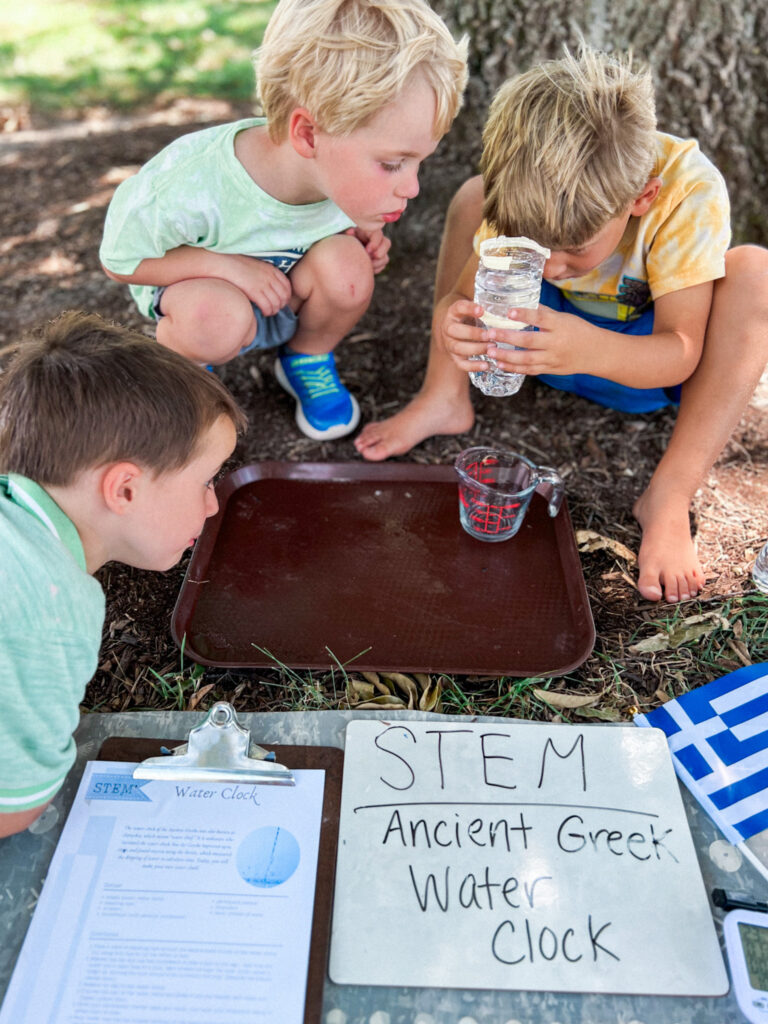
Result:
<point x="551" y="487"/>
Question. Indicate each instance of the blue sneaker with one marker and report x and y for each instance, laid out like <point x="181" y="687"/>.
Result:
<point x="325" y="409"/>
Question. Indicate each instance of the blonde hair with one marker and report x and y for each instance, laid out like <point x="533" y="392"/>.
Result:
<point x="343" y="60"/>
<point x="567" y="146"/>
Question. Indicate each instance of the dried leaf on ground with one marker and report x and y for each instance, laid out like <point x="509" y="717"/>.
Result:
<point x="740" y="650"/>
<point x="431" y="699"/>
<point x="691" y="628"/>
<point x="406" y="685"/>
<point x="387" y="701"/>
<point x="566" y="700"/>
<point x="198" y="695"/>
<point x="589" y="540"/>
<point x="603" y="714"/>
<point x="358" y="690"/>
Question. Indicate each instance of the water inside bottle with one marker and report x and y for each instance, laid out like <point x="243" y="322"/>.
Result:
<point x="508" y="277"/>
<point x="497" y="291"/>
<point x="495" y="382"/>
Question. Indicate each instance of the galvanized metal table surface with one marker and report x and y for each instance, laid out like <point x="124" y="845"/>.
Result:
<point x="24" y="860"/>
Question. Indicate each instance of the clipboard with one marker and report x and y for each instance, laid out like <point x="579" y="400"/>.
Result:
<point x="329" y="759"/>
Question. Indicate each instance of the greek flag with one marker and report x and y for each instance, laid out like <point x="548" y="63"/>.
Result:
<point x="718" y="737"/>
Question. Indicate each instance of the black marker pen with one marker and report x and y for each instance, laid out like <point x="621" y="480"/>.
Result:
<point x="737" y="901"/>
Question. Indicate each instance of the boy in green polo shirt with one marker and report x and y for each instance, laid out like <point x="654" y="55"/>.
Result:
<point x="109" y="444"/>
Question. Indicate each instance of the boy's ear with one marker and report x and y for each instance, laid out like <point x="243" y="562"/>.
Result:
<point x="646" y="198"/>
<point x="302" y="130"/>
<point x="119" y="486"/>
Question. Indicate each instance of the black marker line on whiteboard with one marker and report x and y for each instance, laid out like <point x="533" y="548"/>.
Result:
<point x="500" y="803"/>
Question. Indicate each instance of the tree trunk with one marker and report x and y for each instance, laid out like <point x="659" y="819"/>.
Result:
<point x="709" y="60"/>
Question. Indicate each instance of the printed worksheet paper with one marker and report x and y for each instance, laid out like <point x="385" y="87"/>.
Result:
<point x="175" y="902"/>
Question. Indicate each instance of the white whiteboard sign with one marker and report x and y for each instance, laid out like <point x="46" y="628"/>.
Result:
<point x="518" y="856"/>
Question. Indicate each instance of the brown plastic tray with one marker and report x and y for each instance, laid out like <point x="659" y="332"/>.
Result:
<point x="366" y="565"/>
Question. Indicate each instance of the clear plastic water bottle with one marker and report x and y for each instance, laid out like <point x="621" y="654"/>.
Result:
<point x="508" y="277"/>
<point x="760" y="570"/>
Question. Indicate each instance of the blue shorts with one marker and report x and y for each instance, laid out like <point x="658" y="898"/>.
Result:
<point x="271" y="331"/>
<point x="606" y="392"/>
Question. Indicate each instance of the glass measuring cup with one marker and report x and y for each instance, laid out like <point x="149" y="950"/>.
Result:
<point x="495" y="490"/>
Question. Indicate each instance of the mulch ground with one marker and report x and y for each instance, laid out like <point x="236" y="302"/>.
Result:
<point x="56" y="186"/>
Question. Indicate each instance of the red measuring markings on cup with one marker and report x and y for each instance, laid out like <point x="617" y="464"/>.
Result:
<point x="495" y="489"/>
<point x="482" y="471"/>
<point x="492" y="518"/>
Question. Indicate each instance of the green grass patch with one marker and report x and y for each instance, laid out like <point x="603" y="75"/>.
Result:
<point x="58" y="55"/>
<point x="297" y="691"/>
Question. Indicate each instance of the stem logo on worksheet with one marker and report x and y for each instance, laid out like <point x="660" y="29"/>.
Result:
<point x="113" y="786"/>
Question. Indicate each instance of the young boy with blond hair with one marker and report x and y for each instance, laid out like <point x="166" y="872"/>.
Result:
<point x="109" y="444"/>
<point x="267" y="233"/>
<point x="640" y="296"/>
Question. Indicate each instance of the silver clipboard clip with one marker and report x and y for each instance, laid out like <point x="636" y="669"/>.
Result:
<point x="217" y="750"/>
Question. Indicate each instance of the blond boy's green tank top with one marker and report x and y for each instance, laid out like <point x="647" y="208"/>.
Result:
<point x="196" y="192"/>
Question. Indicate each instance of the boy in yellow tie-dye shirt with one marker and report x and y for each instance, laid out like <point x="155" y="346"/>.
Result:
<point x="642" y="306"/>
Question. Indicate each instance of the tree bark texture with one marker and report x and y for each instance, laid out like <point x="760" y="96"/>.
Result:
<point x="709" y="60"/>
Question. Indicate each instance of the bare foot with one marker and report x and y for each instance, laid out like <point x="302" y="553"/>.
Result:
<point x="423" y="417"/>
<point x="667" y="561"/>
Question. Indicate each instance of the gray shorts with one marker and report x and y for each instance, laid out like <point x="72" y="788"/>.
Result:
<point x="271" y="331"/>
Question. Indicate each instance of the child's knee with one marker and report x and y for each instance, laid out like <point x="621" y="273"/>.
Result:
<point x="740" y="300"/>
<point x="746" y="262"/>
<point x="343" y="272"/>
<point x="211" y="325"/>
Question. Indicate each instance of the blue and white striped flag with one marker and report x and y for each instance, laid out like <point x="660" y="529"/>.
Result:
<point x="718" y="737"/>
